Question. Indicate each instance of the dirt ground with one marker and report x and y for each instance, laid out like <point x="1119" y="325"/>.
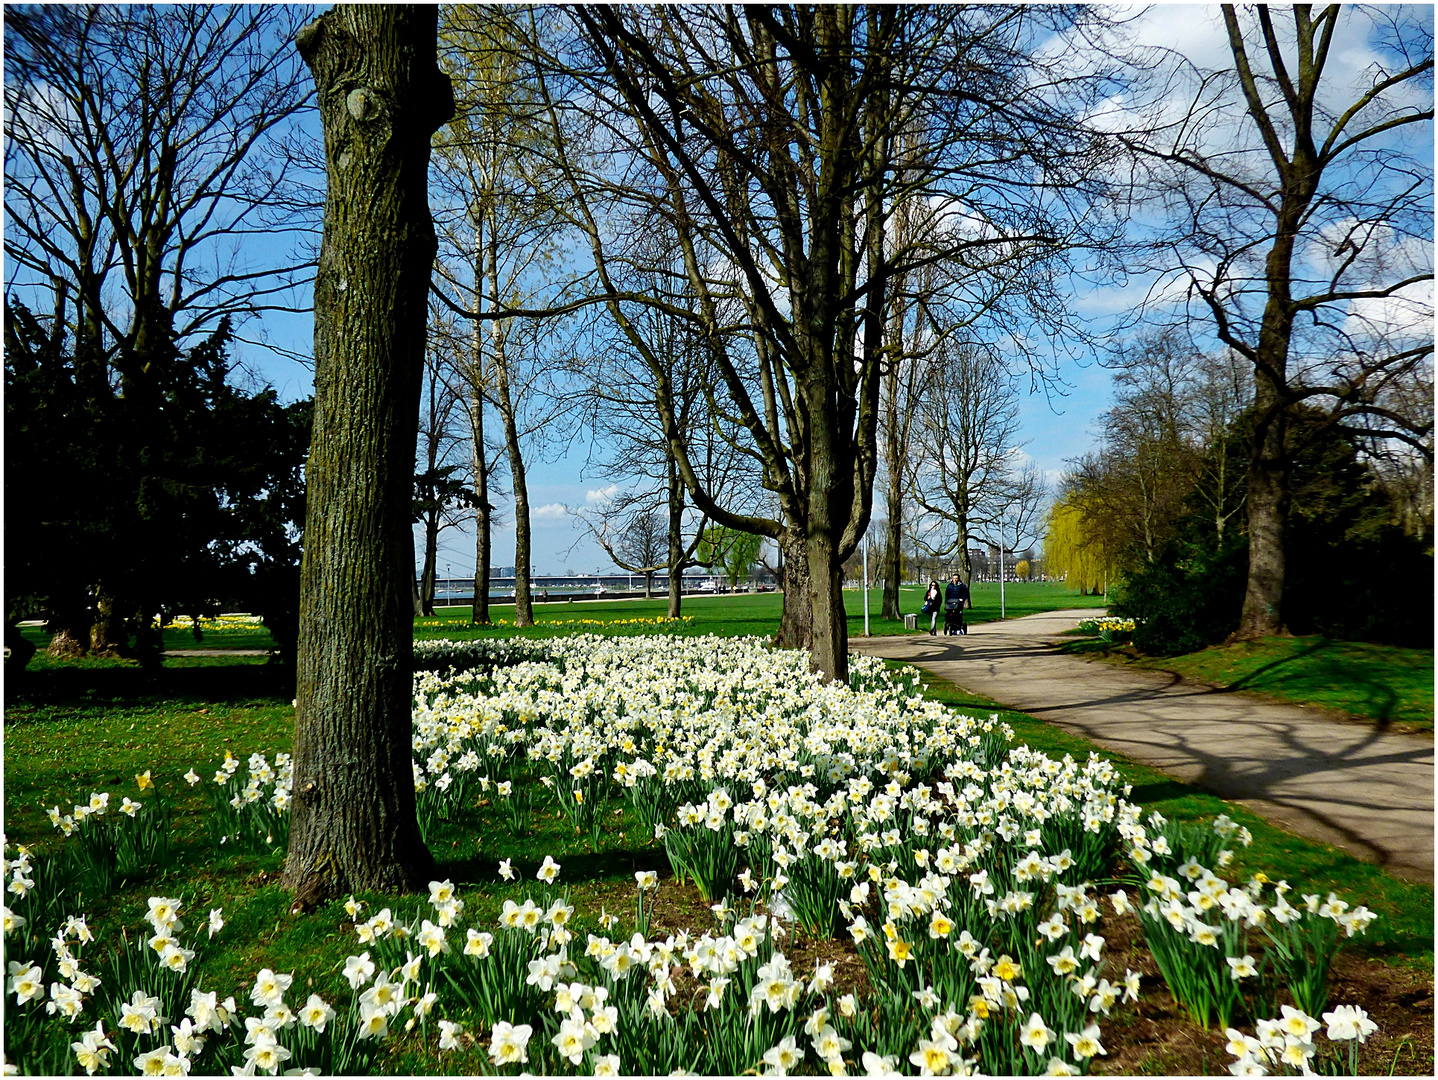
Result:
<point x="1153" y="1036"/>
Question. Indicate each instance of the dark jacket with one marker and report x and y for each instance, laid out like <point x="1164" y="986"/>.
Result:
<point x="952" y="592"/>
<point x="931" y="600"/>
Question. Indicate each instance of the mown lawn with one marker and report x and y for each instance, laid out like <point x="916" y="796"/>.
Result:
<point x="1389" y="685"/>
<point x="183" y="638"/>
<point x="748" y="613"/>
<point x="742" y="613"/>
<point x="74" y="728"/>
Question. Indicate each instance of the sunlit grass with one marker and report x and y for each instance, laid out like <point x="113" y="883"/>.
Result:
<point x="1376" y="682"/>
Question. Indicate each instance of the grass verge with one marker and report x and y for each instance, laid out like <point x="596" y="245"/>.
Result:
<point x="1390" y="686"/>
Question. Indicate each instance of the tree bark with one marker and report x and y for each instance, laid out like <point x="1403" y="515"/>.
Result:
<point x="893" y="565"/>
<point x="523" y="601"/>
<point x="107" y="633"/>
<point x="829" y="645"/>
<point x="796" y="619"/>
<point x="479" y="611"/>
<point x="380" y="95"/>
<point x="1268" y="467"/>
<point x="966" y="565"/>
<point x="66" y="644"/>
<point x="1267" y="502"/>
<point x="429" y="575"/>
<point x="676" y="536"/>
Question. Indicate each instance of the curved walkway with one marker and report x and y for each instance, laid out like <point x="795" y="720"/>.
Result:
<point x="1367" y="792"/>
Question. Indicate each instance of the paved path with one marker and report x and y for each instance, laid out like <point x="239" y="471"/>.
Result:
<point x="1345" y="783"/>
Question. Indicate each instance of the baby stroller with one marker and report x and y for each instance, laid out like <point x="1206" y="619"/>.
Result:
<point x="954" y="617"/>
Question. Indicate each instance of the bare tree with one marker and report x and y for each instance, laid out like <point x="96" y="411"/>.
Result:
<point x="642" y="546"/>
<point x="140" y="153"/>
<point x="142" y="165"/>
<point x="767" y="140"/>
<point x="1166" y="446"/>
<point x="503" y="235"/>
<point x="624" y="413"/>
<point x="381" y="97"/>
<point x="442" y="490"/>
<point x="1303" y="233"/>
<point x="962" y="455"/>
<point x="1019" y="506"/>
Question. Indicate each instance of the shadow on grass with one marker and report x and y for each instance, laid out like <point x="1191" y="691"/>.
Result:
<point x="1372" y="698"/>
<point x="45" y="693"/>
<point x="1161" y="791"/>
<point x="1316" y="672"/>
<point x="1247" y="681"/>
<point x="1085" y="647"/>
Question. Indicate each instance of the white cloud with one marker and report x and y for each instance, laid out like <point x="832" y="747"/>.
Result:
<point x="549" y="512"/>
<point x="601" y="496"/>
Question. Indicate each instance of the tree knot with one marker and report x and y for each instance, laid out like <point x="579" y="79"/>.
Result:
<point x="362" y="103"/>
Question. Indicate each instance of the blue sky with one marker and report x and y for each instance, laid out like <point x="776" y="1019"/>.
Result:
<point x="1056" y="427"/>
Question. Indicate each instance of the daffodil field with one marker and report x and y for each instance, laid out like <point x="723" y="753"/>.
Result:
<point x="968" y="874"/>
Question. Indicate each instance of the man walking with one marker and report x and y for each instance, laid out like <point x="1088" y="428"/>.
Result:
<point x="956" y="595"/>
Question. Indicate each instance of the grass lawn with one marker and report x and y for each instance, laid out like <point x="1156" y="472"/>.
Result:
<point x="748" y="613"/>
<point x="73" y="728"/>
<point x="743" y="613"/>
<point x="182" y="638"/>
<point x="1375" y="682"/>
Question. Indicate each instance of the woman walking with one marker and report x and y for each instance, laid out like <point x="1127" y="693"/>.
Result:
<point x="932" y="601"/>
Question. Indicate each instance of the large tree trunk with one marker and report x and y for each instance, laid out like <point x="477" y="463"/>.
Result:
<point x="107" y="633"/>
<point x="1267" y="503"/>
<point x="1267" y="496"/>
<point x="149" y="643"/>
<point x="380" y="95"/>
<point x="829" y="646"/>
<point x="66" y="644"/>
<point x="796" y="619"/>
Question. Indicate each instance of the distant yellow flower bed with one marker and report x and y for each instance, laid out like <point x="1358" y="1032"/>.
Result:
<point x="1107" y="626"/>
<point x="228" y="621"/>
